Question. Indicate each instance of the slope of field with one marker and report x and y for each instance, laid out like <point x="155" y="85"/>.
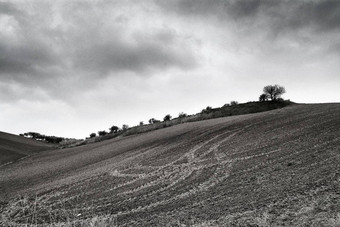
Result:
<point x="13" y="147"/>
<point x="276" y="168"/>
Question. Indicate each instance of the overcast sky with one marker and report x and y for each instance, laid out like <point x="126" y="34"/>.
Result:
<point x="69" y="68"/>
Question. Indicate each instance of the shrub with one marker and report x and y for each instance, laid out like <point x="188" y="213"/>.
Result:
<point x="153" y="121"/>
<point x="92" y="135"/>
<point x="125" y="127"/>
<point x="167" y="117"/>
<point x="102" y="133"/>
<point x="181" y="115"/>
<point x="263" y="98"/>
<point x="208" y="109"/>
<point x="114" y="129"/>
<point x="233" y="103"/>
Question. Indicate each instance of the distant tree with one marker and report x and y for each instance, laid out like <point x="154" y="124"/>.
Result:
<point x="114" y="129"/>
<point x="21" y="134"/>
<point x="274" y="91"/>
<point x="263" y="98"/>
<point x="33" y="135"/>
<point x="102" y="133"/>
<point x="167" y="117"/>
<point x="92" y="135"/>
<point x="141" y="123"/>
<point x="125" y="127"/>
<point x="208" y="109"/>
<point x="153" y="121"/>
<point x="181" y="115"/>
<point x="233" y="103"/>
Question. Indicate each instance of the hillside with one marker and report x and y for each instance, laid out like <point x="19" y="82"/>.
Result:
<point x="275" y="168"/>
<point x="14" y="147"/>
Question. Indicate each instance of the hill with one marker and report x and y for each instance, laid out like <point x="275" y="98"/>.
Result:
<point x="273" y="168"/>
<point x="14" y="147"/>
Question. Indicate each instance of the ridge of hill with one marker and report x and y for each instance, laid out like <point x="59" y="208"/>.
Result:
<point x="226" y="110"/>
<point x="274" y="168"/>
<point x="13" y="147"/>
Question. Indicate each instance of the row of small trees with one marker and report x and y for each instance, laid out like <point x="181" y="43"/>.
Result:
<point x="115" y="129"/>
<point x="270" y="92"/>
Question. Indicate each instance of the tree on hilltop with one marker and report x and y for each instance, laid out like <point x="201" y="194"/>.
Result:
<point x="114" y="129"/>
<point x="102" y="133"/>
<point x="167" y="117"/>
<point x="263" y="98"/>
<point x="181" y="115"/>
<point x="274" y="91"/>
<point x="153" y="121"/>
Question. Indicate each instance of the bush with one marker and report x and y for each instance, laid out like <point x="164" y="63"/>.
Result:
<point x="233" y="103"/>
<point x="92" y="135"/>
<point x="153" y="121"/>
<point x="102" y="133"/>
<point x="263" y="98"/>
<point x="207" y="110"/>
<point x="125" y="127"/>
<point x="114" y="129"/>
<point x="167" y="117"/>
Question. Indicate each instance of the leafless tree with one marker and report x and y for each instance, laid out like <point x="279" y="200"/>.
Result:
<point x="274" y="91"/>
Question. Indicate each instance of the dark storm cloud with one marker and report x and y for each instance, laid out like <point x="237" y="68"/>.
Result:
<point x="24" y="58"/>
<point x="7" y="8"/>
<point x="51" y="46"/>
<point x="120" y="56"/>
<point x="279" y="15"/>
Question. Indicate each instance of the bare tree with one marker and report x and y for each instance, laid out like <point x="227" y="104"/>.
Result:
<point x="274" y="91"/>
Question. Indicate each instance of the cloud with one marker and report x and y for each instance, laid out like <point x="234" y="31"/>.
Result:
<point x="138" y="57"/>
<point x="68" y="45"/>
<point x="275" y="15"/>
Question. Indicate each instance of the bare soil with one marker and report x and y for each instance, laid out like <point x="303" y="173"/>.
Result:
<point x="276" y="168"/>
<point x="14" y="147"/>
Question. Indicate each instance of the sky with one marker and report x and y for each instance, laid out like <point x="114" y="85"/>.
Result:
<point x="70" y="68"/>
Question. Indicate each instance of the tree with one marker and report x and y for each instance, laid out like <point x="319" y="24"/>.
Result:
<point x="102" y="133"/>
<point x="233" y="103"/>
<point x="125" y="127"/>
<point x="274" y="91"/>
<point x="92" y="135"/>
<point x="141" y="123"/>
<point x="167" y="117"/>
<point x="114" y="129"/>
<point x="207" y="110"/>
<point x="153" y="121"/>
<point x="181" y="115"/>
<point x="263" y="98"/>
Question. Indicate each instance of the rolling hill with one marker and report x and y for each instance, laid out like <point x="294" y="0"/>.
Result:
<point x="14" y="147"/>
<point x="275" y="168"/>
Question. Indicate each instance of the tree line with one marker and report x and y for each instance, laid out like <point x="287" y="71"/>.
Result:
<point x="38" y="136"/>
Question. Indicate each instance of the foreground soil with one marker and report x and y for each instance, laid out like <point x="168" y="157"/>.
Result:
<point x="276" y="168"/>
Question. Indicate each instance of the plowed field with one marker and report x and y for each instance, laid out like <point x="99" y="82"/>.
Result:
<point x="276" y="168"/>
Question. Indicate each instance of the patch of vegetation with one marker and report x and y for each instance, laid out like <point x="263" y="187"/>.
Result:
<point x="60" y="142"/>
